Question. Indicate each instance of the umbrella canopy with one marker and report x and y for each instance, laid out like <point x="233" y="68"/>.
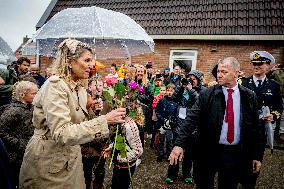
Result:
<point x="112" y="34"/>
<point x="6" y="53"/>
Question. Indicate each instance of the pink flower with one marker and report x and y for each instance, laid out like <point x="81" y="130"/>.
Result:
<point x="111" y="81"/>
<point x="140" y="89"/>
<point x="133" y="85"/>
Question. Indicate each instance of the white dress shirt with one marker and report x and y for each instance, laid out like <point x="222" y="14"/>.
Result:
<point x="237" y="108"/>
<point x="255" y="80"/>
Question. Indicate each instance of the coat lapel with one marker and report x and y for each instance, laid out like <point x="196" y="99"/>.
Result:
<point x="221" y="112"/>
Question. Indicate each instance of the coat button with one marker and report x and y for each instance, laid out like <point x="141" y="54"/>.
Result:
<point x="77" y="109"/>
<point x="98" y="135"/>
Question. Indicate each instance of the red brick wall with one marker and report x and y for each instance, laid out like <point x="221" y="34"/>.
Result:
<point x="206" y="58"/>
<point x="31" y="58"/>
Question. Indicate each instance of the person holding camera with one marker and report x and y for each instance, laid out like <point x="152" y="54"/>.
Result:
<point x="185" y="96"/>
<point x="196" y="77"/>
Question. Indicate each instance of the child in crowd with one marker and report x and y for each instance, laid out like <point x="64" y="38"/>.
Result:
<point x="154" y="117"/>
<point x="166" y="113"/>
<point x="121" y="178"/>
<point x="156" y="84"/>
<point x="185" y="96"/>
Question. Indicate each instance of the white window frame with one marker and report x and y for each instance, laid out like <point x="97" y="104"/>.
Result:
<point x="174" y="57"/>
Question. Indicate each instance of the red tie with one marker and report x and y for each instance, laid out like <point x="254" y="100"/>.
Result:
<point x="230" y="117"/>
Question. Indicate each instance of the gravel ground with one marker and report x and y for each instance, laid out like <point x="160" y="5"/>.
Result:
<point x="151" y="174"/>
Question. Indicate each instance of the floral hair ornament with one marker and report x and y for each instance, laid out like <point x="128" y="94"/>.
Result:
<point x="71" y="44"/>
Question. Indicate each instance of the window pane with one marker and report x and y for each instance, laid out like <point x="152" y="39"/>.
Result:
<point x="184" y="64"/>
<point x="183" y="53"/>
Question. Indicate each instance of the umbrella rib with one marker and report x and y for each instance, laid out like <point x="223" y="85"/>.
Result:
<point x="99" y="21"/>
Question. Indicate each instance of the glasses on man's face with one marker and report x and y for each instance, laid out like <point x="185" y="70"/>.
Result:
<point x="257" y="64"/>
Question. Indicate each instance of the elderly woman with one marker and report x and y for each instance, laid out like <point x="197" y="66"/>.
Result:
<point x="16" y="124"/>
<point x="53" y="155"/>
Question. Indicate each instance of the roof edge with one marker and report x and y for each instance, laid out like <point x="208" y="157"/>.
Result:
<point x="46" y="14"/>
<point x="220" y="37"/>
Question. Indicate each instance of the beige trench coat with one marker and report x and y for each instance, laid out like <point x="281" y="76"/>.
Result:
<point x="53" y="155"/>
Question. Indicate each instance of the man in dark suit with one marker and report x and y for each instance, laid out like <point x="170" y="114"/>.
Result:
<point x="223" y="125"/>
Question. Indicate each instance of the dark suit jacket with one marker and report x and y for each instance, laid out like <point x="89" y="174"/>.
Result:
<point x="203" y="124"/>
<point x="268" y="94"/>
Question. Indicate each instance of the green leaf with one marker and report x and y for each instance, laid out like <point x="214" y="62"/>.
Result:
<point x="108" y="97"/>
<point x="123" y="153"/>
<point x="120" y="90"/>
<point x="120" y="143"/>
<point x="111" y="91"/>
<point x="132" y="114"/>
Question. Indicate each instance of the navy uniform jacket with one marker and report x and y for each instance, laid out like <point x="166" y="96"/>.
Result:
<point x="268" y="94"/>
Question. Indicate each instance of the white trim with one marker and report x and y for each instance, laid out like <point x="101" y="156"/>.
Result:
<point x="192" y="58"/>
<point x="220" y="37"/>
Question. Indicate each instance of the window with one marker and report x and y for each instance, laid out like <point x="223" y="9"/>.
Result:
<point x="186" y="59"/>
<point x="28" y="51"/>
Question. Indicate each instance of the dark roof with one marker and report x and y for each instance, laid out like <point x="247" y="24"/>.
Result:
<point x="193" y="17"/>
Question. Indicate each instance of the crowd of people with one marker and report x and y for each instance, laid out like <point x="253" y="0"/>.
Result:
<point x="58" y="131"/>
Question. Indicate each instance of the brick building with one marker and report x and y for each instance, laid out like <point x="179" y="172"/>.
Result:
<point x="196" y="34"/>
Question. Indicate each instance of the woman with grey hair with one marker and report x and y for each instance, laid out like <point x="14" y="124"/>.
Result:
<point x="62" y="123"/>
<point x="16" y="124"/>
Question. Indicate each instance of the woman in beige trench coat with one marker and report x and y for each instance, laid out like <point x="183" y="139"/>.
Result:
<point x="53" y="155"/>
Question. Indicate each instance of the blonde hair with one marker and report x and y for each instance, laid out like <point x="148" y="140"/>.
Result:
<point x="144" y="79"/>
<point x="69" y="49"/>
<point x="21" y="88"/>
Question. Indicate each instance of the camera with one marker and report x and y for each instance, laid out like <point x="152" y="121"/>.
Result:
<point x="186" y="81"/>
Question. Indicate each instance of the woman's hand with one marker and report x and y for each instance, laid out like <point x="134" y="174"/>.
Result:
<point x="116" y="116"/>
<point x="107" y="152"/>
<point x="98" y="105"/>
<point x="95" y="104"/>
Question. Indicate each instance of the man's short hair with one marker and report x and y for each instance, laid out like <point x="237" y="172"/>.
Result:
<point x="23" y="59"/>
<point x="233" y="61"/>
<point x="171" y="85"/>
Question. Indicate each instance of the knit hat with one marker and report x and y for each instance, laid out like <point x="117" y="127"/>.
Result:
<point x="196" y="74"/>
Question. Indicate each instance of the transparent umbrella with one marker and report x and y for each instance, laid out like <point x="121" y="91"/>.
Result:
<point x="269" y="129"/>
<point x="6" y="54"/>
<point x="112" y="34"/>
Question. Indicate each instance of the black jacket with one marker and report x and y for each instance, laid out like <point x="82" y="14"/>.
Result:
<point x="203" y="124"/>
<point x="166" y="110"/>
<point x="268" y="94"/>
<point x="16" y="129"/>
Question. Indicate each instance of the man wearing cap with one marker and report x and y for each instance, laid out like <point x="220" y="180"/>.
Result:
<point x="267" y="90"/>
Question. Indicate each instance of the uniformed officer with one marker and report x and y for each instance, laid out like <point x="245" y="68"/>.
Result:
<point x="267" y="90"/>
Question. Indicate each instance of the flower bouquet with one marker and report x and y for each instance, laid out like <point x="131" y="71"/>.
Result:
<point x="123" y="95"/>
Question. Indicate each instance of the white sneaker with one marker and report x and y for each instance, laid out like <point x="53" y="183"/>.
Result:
<point x="138" y="162"/>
